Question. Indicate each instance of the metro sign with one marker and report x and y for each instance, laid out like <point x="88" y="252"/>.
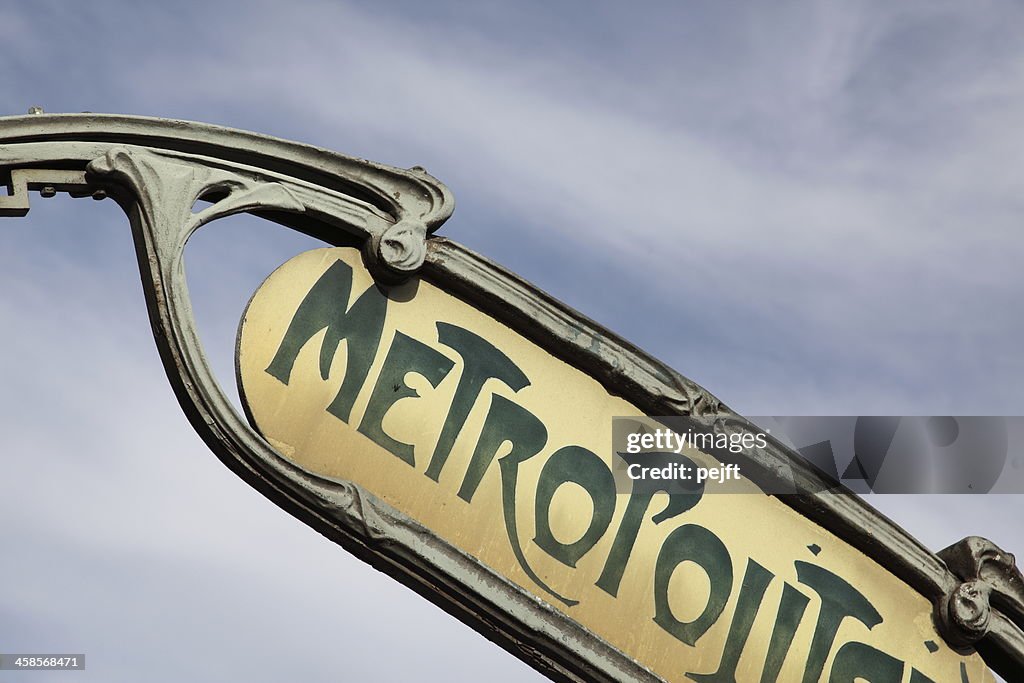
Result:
<point x="457" y="421"/>
<point x="451" y="425"/>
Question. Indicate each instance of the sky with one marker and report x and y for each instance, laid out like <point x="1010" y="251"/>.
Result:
<point x="808" y="208"/>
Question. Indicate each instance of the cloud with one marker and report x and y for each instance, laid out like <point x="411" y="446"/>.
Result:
<point x="822" y="201"/>
<point x="808" y="210"/>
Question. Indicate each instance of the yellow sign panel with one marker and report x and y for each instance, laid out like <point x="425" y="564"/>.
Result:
<point x="504" y="451"/>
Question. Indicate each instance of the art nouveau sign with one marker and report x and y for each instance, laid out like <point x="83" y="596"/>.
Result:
<point x="450" y="424"/>
<point x="488" y="440"/>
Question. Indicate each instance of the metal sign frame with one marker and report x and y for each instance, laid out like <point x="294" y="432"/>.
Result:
<point x="157" y="169"/>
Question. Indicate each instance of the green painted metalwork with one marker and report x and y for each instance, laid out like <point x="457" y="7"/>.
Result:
<point x="157" y="169"/>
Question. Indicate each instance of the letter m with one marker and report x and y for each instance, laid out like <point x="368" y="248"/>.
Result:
<point x="326" y="306"/>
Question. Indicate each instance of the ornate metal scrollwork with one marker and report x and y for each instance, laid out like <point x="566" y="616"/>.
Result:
<point x="158" y="170"/>
<point x="990" y="578"/>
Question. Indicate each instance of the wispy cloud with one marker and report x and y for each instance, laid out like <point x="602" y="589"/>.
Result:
<point x="839" y="196"/>
<point x="809" y="209"/>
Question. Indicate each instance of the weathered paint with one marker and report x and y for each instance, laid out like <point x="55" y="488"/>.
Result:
<point x="503" y="450"/>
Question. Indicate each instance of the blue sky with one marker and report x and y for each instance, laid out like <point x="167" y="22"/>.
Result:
<point x="809" y="208"/>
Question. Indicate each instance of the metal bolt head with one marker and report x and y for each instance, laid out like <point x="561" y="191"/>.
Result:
<point x="48" y="191"/>
<point x="969" y="609"/>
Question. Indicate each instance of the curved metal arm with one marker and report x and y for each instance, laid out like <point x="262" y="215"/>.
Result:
<point x="395" y="209"/>
<point x="389" y="212"/>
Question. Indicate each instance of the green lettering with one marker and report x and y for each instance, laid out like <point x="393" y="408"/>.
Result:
<point x="405" y="355"/>
<point x="683" y="495"/>
<point x="692" y="543"/>
<point x="507" y="421"/>
<point x="838" y="600"/>
<point x="481" y="362"/>
<point x="860" y="662"/>
<point x="325" y="306"/>
<point x="755" y="582"/>
<point x="580" y="466"/>
<point x="791" y="611"/>
<point x="918" y="677"/>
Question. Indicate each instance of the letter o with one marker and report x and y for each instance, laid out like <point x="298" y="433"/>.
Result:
<point x="580" y="466"/>
<point x="692" y="543"/>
